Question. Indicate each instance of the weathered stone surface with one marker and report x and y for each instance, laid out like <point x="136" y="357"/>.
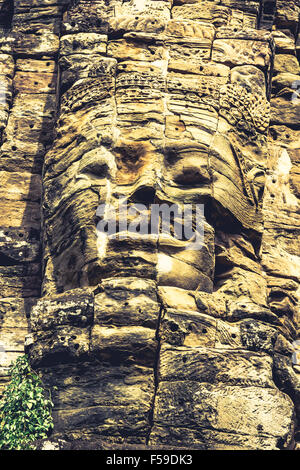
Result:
<point x="173" y="297"/>
<point x="195" y="330"/>
<point x="127" y="301"/>
<point x="125" y="344"/>
<point x="215" y="365"/>
<point x="285" y="43"/>
<point x="64" y="344"/>
<point x="211" y="407"/>
<point x="206" y="439"/>
<point x="185" y="337"/>
<point x="121" y="385"/>
<point x="286" y="63"/>
<point x="75" y="309"/>
<point x="26" y="82"/>
<point x="20" y="280"/>
<point x="241" y="52"/>
<point x="83" y="43"/>
<point x="119" y="424"/>
<point x="43" y="44"/>
<point x="7" y="65"/>
<point x="14" y="326"/>
<point x="283" y="112"/>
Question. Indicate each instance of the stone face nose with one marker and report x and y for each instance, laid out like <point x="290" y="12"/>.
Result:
<point x="145" y="187"/>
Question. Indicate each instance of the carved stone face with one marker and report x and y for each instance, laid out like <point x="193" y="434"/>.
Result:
<point x="164" y="345"/>
<point x="162" y="115"/>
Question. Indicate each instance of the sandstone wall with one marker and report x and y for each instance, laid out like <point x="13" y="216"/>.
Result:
<point x="134" y="356"/>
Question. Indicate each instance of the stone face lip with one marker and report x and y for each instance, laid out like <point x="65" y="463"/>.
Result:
<point x="146" y="339"/>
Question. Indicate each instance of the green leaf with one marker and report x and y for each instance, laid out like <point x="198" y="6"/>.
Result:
<point x="25" y="410"/>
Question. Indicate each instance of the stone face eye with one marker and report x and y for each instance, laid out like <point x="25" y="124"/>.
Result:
<point x="172" y="156"/>
<point x="95" y="169"/>
<point x="187" y="168"/>
<point x="96" y="164"/>
<point x="190" y="175"/>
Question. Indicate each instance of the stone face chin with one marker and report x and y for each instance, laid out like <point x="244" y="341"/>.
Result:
<point x="146" y="338"/>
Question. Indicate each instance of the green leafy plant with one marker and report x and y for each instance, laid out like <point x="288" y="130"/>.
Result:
<point x="25" y="409"/>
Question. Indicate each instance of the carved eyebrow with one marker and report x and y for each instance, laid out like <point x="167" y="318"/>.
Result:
<point x="185" y="145"/>
<point x="96" y="168"/>
<point x="99" y="162"/>
<point x="185" y="148"/>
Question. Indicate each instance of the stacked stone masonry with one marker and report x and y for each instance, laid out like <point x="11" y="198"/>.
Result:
<point x="147" y="342"/>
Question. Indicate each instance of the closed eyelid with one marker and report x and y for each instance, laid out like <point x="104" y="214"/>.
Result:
<point x="97" y="163"/>
<point x="100" y="169"/>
